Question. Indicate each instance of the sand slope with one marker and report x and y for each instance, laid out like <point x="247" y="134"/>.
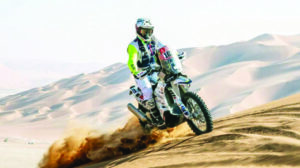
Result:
<point x="266" y="136"/>
<point x="229" y="78"/>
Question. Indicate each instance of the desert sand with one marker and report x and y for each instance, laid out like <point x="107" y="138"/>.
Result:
<point x="265" y="136"/>
<point x="229" y="78"/>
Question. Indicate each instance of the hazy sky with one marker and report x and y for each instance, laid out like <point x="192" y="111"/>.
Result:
<point x="44" y="40"/>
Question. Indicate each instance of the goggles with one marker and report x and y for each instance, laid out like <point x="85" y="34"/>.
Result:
<point x="146" y="32"/>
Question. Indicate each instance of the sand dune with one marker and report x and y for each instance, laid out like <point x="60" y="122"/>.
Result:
<point x="266" y="136"/>
<point x="230" y="78"/>
<point x="265" y="68"/>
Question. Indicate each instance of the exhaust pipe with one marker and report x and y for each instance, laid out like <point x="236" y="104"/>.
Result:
<point x="140" y="115"/>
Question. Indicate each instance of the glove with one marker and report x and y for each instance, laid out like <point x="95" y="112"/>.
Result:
<point x="155" y="67"/>
<point x="169" y="78"/>
<point x="141" y="74"/>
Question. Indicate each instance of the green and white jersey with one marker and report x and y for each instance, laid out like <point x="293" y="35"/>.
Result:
<point x="142" y="54"/>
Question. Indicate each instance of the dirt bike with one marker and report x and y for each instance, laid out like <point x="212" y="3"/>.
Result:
<point x="183" y="104"/>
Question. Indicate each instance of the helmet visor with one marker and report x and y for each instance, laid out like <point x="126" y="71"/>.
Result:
<point x="146" y="33"/>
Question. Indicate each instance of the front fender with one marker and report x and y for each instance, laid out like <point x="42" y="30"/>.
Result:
<point x="181" y="80"/>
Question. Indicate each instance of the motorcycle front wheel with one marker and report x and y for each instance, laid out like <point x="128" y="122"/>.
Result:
<point x="201" y="121"/>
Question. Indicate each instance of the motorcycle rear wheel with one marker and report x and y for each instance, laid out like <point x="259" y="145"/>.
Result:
<point x="202" y="121"/>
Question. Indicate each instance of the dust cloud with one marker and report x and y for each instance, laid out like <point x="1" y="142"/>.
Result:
<point x="83" y="145"/>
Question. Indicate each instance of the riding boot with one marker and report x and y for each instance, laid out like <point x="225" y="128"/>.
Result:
<point x="160" y="99"/>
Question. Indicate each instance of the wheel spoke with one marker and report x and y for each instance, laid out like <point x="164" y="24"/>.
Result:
<point x="198" y="117"/>
<point x="191" y="107"/>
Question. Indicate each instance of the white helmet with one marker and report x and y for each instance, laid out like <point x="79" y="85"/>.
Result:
<point x="144" y="28"/>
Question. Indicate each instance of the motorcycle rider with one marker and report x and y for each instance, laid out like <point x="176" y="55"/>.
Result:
<point x="142" y="53"/>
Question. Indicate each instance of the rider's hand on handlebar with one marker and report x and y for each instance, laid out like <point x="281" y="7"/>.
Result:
<point x="155" y="67"/>
<point x="142" y="74"/>
<point x="148" y="70"/>
<point x="169" y="78"/>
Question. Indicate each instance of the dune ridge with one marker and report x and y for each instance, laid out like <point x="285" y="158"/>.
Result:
<point x="247" y="73"/>
<point x="230" y="78"/>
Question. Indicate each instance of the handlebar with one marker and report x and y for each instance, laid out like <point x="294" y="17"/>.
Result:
<point x="152" y="68"/>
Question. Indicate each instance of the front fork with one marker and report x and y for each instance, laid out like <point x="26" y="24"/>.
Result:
<point x="180" y="104"/>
